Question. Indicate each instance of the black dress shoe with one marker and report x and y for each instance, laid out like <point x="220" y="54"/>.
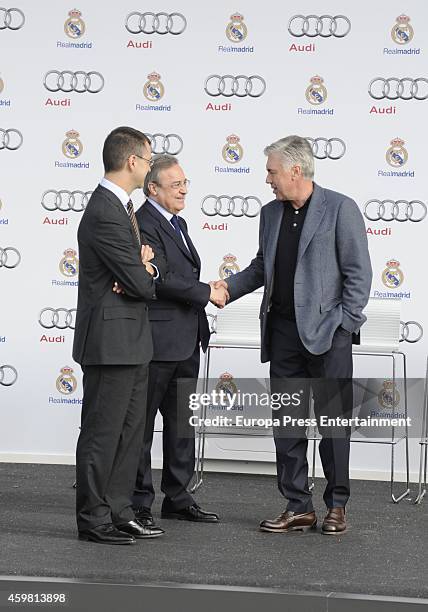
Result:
<point x="106" y="534"/>
<point x="140" y="531"/>
<point x="191" y="513"/>
<point x="144" y="515"/>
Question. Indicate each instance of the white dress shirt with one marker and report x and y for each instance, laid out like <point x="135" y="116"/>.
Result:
<point x="168" y="216"/>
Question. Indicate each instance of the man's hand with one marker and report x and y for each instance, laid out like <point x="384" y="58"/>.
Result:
<point x="219" y="295"/>
<point x="219" y="283"/>
<point x="118" y="289"/>
<point x="146" y="256"/>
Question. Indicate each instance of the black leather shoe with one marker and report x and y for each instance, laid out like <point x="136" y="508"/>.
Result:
<point x="140" y="531"/>
<point x="106" y="534"/>
<point x="144" y="515"/>
<point x="191" y="513"/>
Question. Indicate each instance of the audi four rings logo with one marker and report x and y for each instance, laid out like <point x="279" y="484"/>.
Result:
<point x="166" y="143"/>
<point x="231" y="206"/>
<point x="65" y="200"/>
<point x="395" y="210"/>
<point x="240" y="86"/>
<point x="79" y="81"/>
<point x="12" y="19"/>
<point x="10" y="139"/>
<point x="9" y="257"/>
<point x="8" y="375"/>
<point x="61" y="318"/>
<point x="323" y="25"/>
<point x="393" y="88"/>
<point x="411" y="331"/>
<point x="331" y="148"/>
<point x="155" y="23"/>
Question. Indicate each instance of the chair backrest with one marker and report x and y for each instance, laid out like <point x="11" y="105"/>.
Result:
<point x="381" y="331"/>
<point x="238" y="323"/>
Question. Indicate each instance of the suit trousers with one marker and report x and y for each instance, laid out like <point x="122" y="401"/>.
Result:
<point x="333" y="397"/>
<point x="112" y="429"/>
<point x="178" y="436"/>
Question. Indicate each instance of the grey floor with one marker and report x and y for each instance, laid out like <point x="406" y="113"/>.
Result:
<point x="385" y="551"/>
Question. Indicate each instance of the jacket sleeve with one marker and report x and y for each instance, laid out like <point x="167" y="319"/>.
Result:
<point x="112" y="243"/>
<point x="173" y="285"/>
<point x="355" y="265"/>
<point x="252" y="277"/>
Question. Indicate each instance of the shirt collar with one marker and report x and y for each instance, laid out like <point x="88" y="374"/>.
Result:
<point x="168" y="216"/>
<point x="118" y="191"/>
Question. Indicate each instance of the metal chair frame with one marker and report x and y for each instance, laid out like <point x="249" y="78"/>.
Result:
<point x="423" y="461"/>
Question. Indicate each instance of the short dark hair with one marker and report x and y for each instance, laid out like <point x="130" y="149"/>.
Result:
<point x="120" y="144"/>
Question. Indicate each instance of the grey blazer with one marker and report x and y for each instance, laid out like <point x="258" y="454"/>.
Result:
<point x="333" y="271"/>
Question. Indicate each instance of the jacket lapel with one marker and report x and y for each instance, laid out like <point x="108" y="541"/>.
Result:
<point x="190" y="244"/>
<point x="111" y="197"/>
<point x="168" y="228"/>
<point x="313" y="219"/>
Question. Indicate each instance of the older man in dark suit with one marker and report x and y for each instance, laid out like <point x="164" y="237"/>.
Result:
<point x="113" y="344"/>
<point x="314" y="263"/>
<point x="179" y="327"/>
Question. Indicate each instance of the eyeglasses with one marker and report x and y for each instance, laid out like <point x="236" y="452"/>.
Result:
<point x="149" y="161"/>
<point x="179" y="185"/>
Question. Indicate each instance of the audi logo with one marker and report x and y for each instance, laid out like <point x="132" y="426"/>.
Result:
<point x="61" y="318"/>
<point x="240" y="86"/>
<point x="395" y="210"/>
<point x="155" y="23"/>
<point x="166" y="143"/>
<point x="324" y="25"/>
<point x="8" y="375"/>
<point x="331" y="148"/>
<point x="231" y="206"/>
<point x="10" y="139"/>
<point x="12" y="19"/>
<point x="65" y="200"/>
<point x="9" y="257"/>
<point x="78" y="81"/>
<point x="393" y="88"/>
<point x="411" y="331"/>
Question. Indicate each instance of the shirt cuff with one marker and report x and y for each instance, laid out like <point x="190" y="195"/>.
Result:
<point x="155" y="276"/>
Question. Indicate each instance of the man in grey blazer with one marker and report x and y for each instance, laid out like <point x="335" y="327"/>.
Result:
<point x="314" y="263"/>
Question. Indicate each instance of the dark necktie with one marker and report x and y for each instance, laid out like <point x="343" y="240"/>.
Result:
<point x="176" y="226"/>
<point x="133" y="218"/>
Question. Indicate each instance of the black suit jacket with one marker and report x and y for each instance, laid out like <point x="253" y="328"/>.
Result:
<point x="111" y="329"/>
<point x="177" y="316"/>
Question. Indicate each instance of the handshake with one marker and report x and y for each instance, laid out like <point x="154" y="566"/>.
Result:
<point x="219" y="295"/>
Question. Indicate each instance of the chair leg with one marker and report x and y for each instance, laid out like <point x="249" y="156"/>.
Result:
<point x="200" y="453"/>
<point x="314" y="449"/>
<point x="423" y="461"/>
<point x="394" y="498"/>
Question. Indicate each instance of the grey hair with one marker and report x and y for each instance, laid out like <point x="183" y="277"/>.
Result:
<point x="160" y="162"/>
<point x="294" y="151"/>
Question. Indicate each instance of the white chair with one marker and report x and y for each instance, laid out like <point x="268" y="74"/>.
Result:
<point x="238" y="326"/>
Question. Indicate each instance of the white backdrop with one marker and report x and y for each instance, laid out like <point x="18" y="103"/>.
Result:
<point x="40" y="411"/>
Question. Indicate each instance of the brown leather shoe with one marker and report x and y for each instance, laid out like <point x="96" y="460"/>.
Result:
<point x="334" y="522"/>
<point x="290" y="521"/>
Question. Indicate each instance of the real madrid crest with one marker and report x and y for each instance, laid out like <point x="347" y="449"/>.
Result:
<point x="316" y="93"/>
<point x="402" y="32"/>
<point x="226" y="384"/>
<point x="72" y="146"/>
<point x="232" y="150"/>
<point x="236" y="30"/>
<point x="74" y="26"/>
<point x="69" y="264"/>
<point x="388" y="397"/>
<point x="397" y="155"/>
<point x="1" y="85"/>
<point x="153" y="89"/>
<point x="66" y="383"/>
<point x="392" y="276"/>
<point x="229" y="267"/>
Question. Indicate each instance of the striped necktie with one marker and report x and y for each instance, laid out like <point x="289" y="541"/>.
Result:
<point x="131" y="215"/>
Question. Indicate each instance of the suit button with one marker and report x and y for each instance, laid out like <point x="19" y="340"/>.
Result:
<point x="194" y="269"/>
